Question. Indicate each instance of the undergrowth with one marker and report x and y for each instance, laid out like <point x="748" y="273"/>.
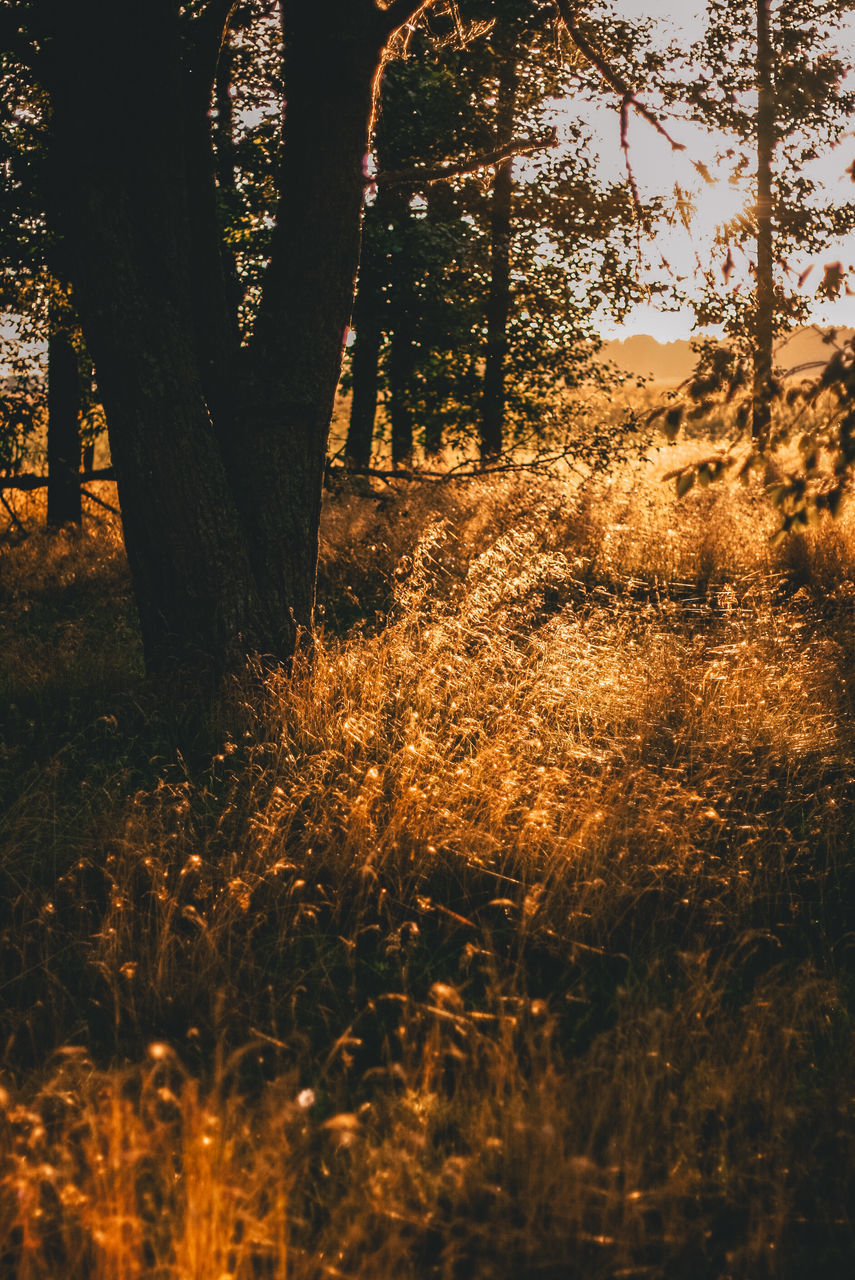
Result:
<point x="509" y="937"/>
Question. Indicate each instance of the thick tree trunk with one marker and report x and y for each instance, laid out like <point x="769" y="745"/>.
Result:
<point x="63" y="432"/>
<point x="121" y="191"/>
<point x="293" y="363"/>
<point x="499" y="302"/>
<point x="765" y="297"/>
<point x="219" y="455"/>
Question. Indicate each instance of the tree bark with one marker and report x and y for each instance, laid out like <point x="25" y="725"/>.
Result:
<point x="765" y="297"/>
<point x="499" y="301"/>
<point x="121" y="187"/>
<point x="293" y="363"/>
<point x="63" y="431"/>
<point x="219" y="452"/>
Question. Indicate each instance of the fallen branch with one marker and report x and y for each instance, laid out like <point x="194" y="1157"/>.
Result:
<point x="41" y="482"/>
<point x="456" y="473"/>
<point x="13" y="515"/>
<point x="93" y="497"/>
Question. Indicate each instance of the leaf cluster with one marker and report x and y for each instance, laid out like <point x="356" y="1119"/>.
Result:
<point x="815" y="418"/>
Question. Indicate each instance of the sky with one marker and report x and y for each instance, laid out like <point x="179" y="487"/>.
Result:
<point x="656" y="168"/>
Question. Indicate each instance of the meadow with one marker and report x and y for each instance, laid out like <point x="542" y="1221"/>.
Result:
<point x="510" y="935"/>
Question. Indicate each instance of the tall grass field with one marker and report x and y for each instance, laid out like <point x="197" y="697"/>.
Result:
<point x="511" y="935"/>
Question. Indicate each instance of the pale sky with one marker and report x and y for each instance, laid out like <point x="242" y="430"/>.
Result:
<point x="657" y="168"/>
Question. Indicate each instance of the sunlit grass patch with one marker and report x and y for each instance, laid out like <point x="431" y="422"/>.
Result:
<point x="506" y="935"/>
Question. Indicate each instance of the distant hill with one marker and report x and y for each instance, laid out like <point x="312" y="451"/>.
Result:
<point x="642" y="356"/>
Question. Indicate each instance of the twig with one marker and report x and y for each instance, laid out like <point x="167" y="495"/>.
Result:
<point x="418" y="178"/>
<point x="398" y="13"/>
<point x="630" y="175"/>
<point x="567" y="13"/>
<point x="101" y="503"/>
<point x="12" y="512"/>
<point x="28" y="482"/>
<point x="509" y="465"/>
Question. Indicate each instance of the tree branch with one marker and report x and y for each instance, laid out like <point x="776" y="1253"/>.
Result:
<point x="396" y="13"/>
<point x="13" y="515"/>
<point x="27" y="482"/>
<point x="415" y="179"/>
<point x="567" y="13"/>
<point x="464" y="471"/>
<point x="93" y="497"/>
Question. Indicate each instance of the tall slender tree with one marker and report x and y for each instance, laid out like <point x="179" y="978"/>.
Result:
<point x="770" y="78"/>
<point x="64" y="397"/>
<point x="501" y="274"/>
<point x="764" y="331"/>
<point x="501" y="218"/>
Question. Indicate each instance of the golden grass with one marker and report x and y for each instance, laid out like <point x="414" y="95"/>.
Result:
<point x="509" y="938"/>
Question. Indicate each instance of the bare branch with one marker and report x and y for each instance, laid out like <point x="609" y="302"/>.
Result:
<point x="567" y="13"/>
<point x="464" y="471"/>
<point x="416" y="179"/>
<point x="396" y="13"/>
<point x="13" y="515"/>
<point x="93" y="497"/>
<point x="28" y="482"/>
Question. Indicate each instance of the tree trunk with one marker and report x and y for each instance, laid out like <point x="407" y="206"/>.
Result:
<point x="365" y="360"/>
<point x="219" y="453"/>
<point x="90" y="397"/>
<point x="123" y="204"/>
<point x="293" y="364"/>
<point x="499" y="302"/>
<point x="63" y="432"/>
<point x="403" y="309"/>
<point x="442" y="213"/>
<point x="400" y="414"/>
<point x="765" y="298"/>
